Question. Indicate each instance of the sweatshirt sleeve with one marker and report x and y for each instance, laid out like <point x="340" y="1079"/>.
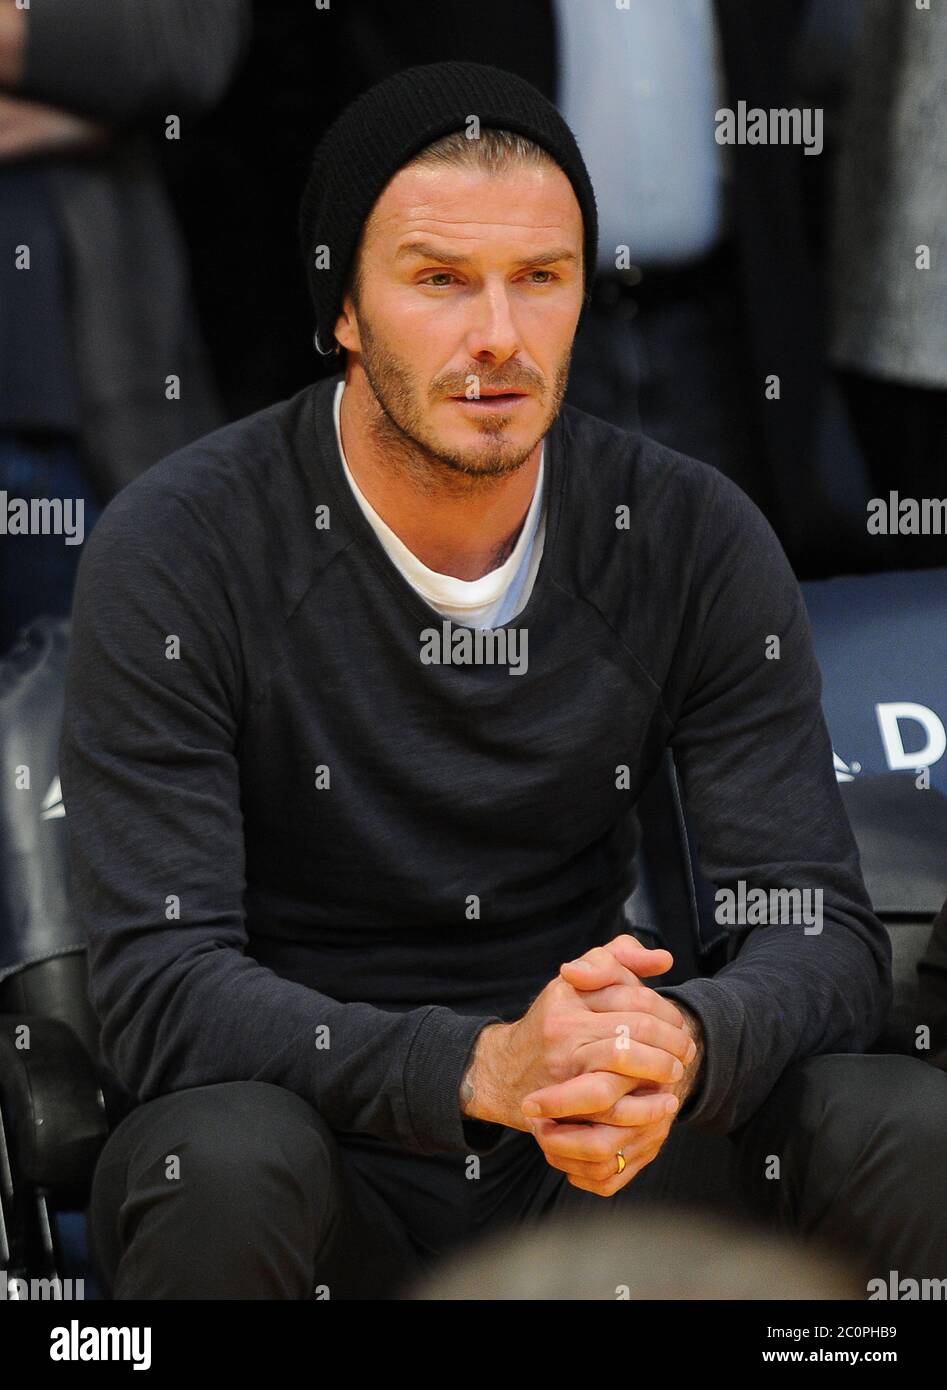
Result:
<point x="151" y="786"/>
<point x="120" y="60"/>
<point x="755" y="761"/>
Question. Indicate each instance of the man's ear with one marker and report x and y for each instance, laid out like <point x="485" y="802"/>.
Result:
<point x="346" y="327"/>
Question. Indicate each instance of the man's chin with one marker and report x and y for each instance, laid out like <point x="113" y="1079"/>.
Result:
<point x="488" y="459"/>
<point x="498" y="440"/>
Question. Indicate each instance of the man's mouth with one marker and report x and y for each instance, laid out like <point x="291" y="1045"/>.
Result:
<point x="494" y="398"/>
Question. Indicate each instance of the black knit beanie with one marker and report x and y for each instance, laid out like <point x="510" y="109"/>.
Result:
<point x="384" y="127"/>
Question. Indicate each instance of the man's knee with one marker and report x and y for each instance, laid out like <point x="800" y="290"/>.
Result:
<point x="237" y="1167"/>
<point x="877" y="1104"/>
<point x="839" y="1110"/>
<point x="233" y="1134"/>
<point x="878" y="1087"/>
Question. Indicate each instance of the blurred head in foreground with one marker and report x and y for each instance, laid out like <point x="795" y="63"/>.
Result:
<point x="663" y="1253"/>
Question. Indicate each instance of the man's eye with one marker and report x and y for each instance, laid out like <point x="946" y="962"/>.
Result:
<point x="446" y="275"/>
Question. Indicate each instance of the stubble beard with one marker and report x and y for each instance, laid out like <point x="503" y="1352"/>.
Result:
<point x="397" y="430"/>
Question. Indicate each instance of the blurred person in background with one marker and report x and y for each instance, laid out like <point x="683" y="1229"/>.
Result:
<point x="889" y="263"/>
<point x="95" y="305"/>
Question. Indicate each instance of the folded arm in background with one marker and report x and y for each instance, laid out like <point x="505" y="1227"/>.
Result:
<point x="122" y="60"/>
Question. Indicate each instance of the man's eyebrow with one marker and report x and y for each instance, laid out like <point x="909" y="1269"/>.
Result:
<point x="425" y="251"/>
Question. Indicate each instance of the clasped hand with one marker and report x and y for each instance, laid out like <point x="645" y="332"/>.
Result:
<point x="643" y="1071"/>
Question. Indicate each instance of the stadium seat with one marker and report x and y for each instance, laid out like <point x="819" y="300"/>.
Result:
<point x="57" y="1102"/>
<point x="881" y="642"/>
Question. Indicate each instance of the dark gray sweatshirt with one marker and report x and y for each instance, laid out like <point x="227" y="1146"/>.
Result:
<point x="306" y="853"/>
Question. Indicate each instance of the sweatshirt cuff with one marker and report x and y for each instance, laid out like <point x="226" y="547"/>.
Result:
<point x="440" y="1054"/>
<point x="710" y="1104"/>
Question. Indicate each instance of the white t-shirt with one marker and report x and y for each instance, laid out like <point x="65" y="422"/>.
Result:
<point x="490" y="601"/>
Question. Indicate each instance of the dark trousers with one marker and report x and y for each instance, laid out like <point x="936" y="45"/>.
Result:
<point x="241" y="1190"/>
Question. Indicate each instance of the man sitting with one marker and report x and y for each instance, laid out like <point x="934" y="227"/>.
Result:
<point x="355" y="917"/>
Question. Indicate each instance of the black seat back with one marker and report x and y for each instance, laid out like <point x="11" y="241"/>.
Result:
<point x="43" y="968"/>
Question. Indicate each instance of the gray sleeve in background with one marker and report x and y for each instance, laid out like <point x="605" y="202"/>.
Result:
<point x="122" y="60"/>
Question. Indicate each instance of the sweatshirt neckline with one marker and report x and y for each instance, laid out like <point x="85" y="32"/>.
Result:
<point x="445" y="590"/>
<point x="323" y="423"/>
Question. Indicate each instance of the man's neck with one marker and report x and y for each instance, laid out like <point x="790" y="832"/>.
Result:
<point x="453" y="524"/>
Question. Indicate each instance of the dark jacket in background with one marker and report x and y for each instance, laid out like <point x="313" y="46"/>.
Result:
<point x="131" y="63"/>
<point x="890" y="318"/>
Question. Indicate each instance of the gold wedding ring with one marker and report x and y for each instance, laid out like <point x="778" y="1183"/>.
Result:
<point x="621" y="1161"/>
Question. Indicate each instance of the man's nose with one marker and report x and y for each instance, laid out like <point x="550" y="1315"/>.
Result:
<point x="493" y="328"/>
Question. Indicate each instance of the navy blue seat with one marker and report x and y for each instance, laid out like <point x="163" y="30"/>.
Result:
<point x="881" y="642"/>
